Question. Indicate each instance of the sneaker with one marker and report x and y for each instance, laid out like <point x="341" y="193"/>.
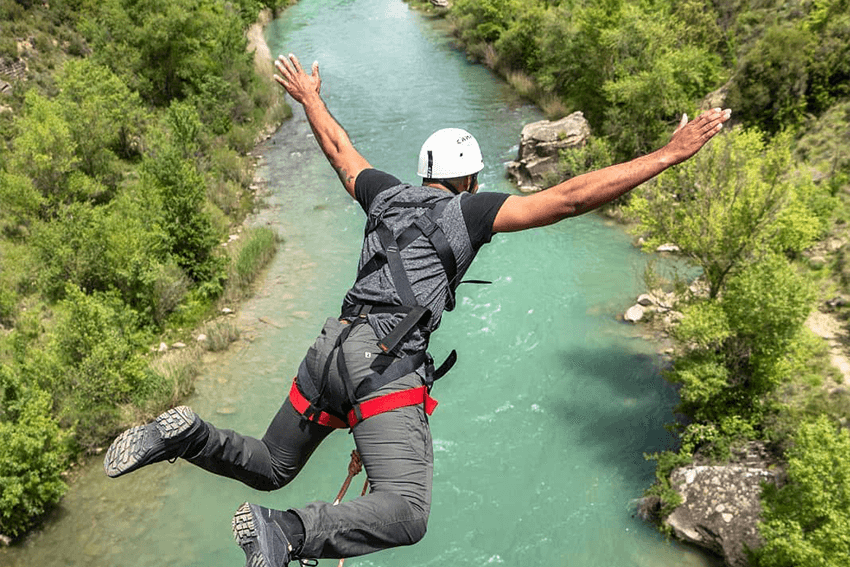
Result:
<point x="260" y="537"/>
<point x="167" y="437"/>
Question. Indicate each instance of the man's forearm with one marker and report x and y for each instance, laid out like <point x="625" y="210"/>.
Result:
<point x="593" y="189"/>
<point x="330" y="135"/>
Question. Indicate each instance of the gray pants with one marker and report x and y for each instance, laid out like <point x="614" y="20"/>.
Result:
<point x="395" y="448"/>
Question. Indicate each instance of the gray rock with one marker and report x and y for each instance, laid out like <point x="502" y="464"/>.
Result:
<point x="720" y="507"/>
<point x="634" y="314"/>
<point x="539" y="149"/>
<point x="667" y="248"/>
<point x="646" y="300"/>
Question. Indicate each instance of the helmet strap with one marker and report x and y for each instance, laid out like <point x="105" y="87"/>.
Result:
<point x="448" y="185"/>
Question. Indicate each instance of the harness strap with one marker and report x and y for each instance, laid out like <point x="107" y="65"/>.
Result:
<point x="431" y="230"/>
<point x="399" y="276"/>
<point x="399" y="367"/>
<point x="394" y="400"/>
<point x="353" y="311"/>
<point x="363" y="410"/>
<point x="416" y="315"/>
<point x="406" y="237"/>
<point x="310" y="412"/>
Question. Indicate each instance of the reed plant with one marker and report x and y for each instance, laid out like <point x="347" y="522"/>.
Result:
<point x="249" y="255"/>
<point x="220" y="333"/>
<point x="522" y="84"/>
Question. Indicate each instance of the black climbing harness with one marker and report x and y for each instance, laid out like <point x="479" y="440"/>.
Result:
<point x="390" y="365"/>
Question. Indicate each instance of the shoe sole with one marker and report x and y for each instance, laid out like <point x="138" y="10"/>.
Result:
<point x="128" y="451"/>
<point x="245" y="533"/>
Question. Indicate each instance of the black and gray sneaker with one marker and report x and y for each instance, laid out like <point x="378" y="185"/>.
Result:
<point x="260" y="537"/>
<point x="167" y="437"/>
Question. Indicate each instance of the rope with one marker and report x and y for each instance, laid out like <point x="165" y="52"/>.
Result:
<point x="354" y="468"/>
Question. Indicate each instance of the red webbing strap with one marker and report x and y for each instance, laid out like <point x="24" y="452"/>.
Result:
<point x="302" y="405"/>
<point x="392" y="401"/>
<point x="367" y="409"/>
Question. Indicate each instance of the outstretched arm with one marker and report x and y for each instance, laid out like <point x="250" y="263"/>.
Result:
<point x="332" y="137"/>
<point x="586" y="192"/>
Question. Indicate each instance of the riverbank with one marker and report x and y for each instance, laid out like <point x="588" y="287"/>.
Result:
<point x="93" y="401"/>
<point x="731" y="416"/>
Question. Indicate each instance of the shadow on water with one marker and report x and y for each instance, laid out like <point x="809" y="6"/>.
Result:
<point x="622" y="408"/>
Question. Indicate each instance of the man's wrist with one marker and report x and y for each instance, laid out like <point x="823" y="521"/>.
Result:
<point x="312" y="99"/>
<point x="667" y="158"/>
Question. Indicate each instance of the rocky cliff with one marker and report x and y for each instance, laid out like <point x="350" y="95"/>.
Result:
<point x="541" y="143"/>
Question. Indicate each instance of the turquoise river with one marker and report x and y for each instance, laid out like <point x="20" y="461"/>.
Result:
<point x="543" y="423"/>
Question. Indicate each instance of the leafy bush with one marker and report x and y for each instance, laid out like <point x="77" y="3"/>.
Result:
<point x="21" y="203"/>
<point x="100" y="350"/>
<point x="31" y="454"/>
<point x="44" y="149"/>
<point x="806" y="523"/>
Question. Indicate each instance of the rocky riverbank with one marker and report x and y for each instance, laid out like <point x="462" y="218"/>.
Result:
<point x="720" y="502"/>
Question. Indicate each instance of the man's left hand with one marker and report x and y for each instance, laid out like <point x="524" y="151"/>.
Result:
<point x="297" y="83"/>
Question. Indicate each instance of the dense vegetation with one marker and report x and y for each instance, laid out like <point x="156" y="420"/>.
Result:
<point x="748" y="211"/>
<point x="123" y="170"/>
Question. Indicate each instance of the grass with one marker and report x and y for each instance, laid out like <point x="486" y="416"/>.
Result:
<point x="249" y="255"/>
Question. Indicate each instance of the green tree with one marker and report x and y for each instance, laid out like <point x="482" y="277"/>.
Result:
<point x="167" y="50"/>
<point x="770" y="85"/>
<point x="806" y="523"/>
<point x="190" y="234"/>
<point x="736" y="350"/>
<point x="658" y="73"/>
<point x="829" y="21"/>
<point x="730" y="204"/>
<point x="44" y="149"/>
<point x="519" y="45"/>
<point x="102" y="113"/>
<point x="578" y="61"/>
<point x="483" y="20"/>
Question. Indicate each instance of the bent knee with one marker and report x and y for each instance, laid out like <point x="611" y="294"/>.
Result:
<point x="416" y="527"/>
<point x="269" y="483"/>
<point x="418" y="534"/>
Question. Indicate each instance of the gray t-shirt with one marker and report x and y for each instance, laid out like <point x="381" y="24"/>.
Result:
<point x="466" y="221"/>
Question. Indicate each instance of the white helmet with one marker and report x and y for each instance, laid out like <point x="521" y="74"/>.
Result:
<point x="449" y="153"/>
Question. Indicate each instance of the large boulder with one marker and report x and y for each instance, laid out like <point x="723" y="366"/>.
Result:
<point x="720" y="507"/>
<point x="536" y="166"/>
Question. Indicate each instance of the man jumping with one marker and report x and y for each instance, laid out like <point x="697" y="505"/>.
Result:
<point x="369" y="370"/>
